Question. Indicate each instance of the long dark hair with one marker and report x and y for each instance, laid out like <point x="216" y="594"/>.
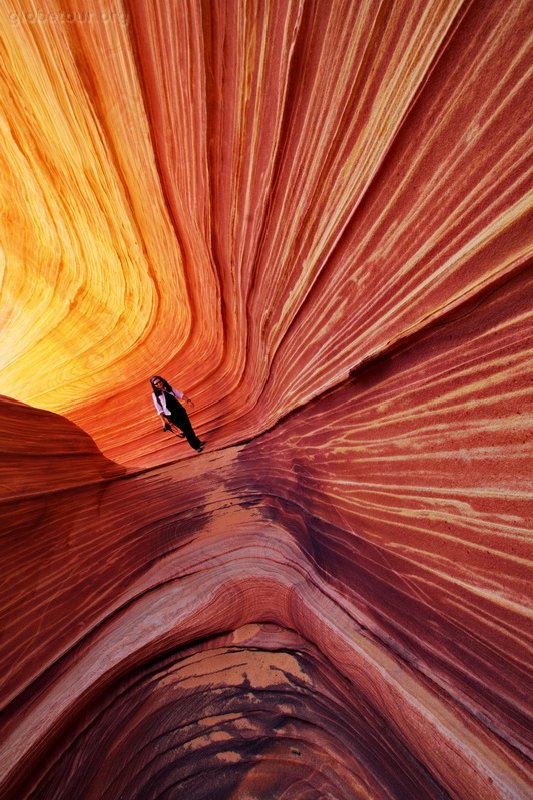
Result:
<point x="156" y="389"/>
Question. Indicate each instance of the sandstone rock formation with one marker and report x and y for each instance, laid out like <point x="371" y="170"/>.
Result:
<point x="315" y="218"/>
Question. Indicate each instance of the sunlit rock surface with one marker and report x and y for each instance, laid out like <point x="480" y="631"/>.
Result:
<point x="314" y="218"/>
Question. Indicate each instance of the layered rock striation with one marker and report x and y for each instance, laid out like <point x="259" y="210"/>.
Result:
<point x="314" y="218"/>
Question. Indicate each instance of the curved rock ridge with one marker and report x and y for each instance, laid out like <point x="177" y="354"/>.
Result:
<point x="259" y="711"/>
<point x="41" y="454"/>
<point x="315" y="218"/>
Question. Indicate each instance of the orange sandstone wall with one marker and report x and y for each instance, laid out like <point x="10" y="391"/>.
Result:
<point x="315" y="218"/>
<point x="251" y="198"/>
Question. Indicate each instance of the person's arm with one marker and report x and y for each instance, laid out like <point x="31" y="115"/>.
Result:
<point x="159" y="410"/>
<point x="181" y="396"/>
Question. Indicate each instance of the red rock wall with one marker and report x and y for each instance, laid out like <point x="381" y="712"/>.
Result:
<point x="315" y="218"/>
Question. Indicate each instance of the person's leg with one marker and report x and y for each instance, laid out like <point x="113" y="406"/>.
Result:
<point x="184" y="424"/>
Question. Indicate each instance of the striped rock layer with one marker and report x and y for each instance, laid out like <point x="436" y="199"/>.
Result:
<point x="315" y="219"/>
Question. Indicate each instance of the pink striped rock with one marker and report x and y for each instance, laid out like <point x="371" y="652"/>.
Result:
<point x="315" y="219"/>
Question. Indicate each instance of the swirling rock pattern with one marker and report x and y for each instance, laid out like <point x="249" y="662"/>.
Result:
<point x="315" y="218"/>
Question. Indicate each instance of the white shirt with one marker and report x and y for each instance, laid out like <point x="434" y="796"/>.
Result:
<point x="160" y="402"/>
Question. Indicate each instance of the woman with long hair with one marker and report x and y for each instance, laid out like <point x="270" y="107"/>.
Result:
<point x="166" y="401"/>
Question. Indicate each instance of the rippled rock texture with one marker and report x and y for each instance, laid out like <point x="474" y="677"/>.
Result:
<point x="314" y="218"/>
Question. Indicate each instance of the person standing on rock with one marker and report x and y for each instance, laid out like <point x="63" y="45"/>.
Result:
<point x="166" y="401"/>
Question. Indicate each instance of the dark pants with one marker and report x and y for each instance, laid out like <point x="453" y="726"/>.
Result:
<point x="180" y="419"/>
